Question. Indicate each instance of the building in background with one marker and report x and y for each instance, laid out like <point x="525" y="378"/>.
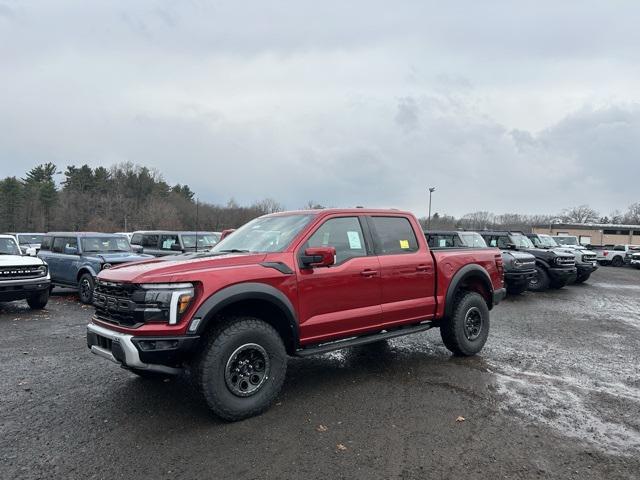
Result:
<point x="598" y="234"/>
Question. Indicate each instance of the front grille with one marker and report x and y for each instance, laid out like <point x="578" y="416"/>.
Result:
<point x="566" y="261"/>
<point x="588" y="257"/>
<point x="20" y="273"/>
<point x="526" y="265"/>
<point x="114" y="303"/>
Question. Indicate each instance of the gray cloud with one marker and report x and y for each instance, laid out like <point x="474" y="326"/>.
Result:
<point x="503" y="107"/>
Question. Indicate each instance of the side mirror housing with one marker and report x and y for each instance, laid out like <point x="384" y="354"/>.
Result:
<point x="137" y="248"/>
<point x="177" y="248"/>
<point x="512" y="246"/>
<point x="319" y="257"/>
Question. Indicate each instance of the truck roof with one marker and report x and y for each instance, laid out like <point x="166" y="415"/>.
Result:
<point x="331" y="211"/>
<point x="81" y="234"/>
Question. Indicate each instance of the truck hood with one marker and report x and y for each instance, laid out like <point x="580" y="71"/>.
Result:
<point x="19" y="261"/>
<point x="165" y="269"/>
<point x="522" y="256"/>
<point x="120" y="257"/>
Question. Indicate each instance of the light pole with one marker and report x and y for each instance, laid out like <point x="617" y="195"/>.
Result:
<point x="431" y="190"/>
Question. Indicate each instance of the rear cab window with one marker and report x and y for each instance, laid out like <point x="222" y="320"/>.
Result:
<point x="394" y="235"/>
<point x="166" y="241"/>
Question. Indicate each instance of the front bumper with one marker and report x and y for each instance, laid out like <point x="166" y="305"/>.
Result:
<point x="11" y="290"/>
<point x="586" y="268"/>
<point x="634" y="263"/>
<point x="563" y="273"/>
<point x="519" y="277"/>
<point x="155" y="354"/>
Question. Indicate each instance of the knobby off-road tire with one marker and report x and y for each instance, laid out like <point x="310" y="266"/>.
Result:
<point x="541" y="282"/>
<point x="242" y="368"/>
<point x="582" y="278"/>
<point x="38" y="301"/>
<point x="85" y="288"/>
<point x="465" y="332"/>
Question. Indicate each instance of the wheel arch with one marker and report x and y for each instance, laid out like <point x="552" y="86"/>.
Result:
<point x="253" y="299"/>
<point x="85" y="269"/>
<point x="473" y="278"/>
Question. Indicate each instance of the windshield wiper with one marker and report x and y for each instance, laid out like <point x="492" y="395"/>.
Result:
<point x="235" y="250"/>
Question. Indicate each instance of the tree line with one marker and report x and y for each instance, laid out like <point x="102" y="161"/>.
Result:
<point x="124" y="197"/>
<point x="128" y="197"/>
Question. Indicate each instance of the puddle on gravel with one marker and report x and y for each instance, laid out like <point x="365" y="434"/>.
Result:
<point x="570" y="406"/>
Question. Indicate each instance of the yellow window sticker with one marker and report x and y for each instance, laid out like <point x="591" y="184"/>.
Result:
<point x="404" y="244"/>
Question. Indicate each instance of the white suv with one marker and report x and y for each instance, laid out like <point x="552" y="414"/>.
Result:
<point x="22" y="277"/>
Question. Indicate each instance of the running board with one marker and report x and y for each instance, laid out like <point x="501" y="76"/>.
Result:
<point x="362" y="340"/>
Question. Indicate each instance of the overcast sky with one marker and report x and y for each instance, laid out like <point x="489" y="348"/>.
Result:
<point x="505" y="106"/>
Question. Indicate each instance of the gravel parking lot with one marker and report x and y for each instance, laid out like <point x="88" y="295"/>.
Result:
<point x="555" y="394"/>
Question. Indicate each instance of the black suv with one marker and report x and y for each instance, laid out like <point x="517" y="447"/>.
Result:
<point x="585" y="259"/>
<point x="519" y="267"/>
<point x="554" y="268"/>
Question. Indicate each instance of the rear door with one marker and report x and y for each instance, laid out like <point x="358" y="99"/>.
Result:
<point x="66" y="264"/>
<point x="407" y="269"/>
<point x="344" y="298"/>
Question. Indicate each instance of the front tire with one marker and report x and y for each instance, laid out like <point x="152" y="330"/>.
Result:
<point x="540" y="282"/>
<point x="465" y="332"/>
<point x="242" y="368"/>
<point x="39" y="300"/>
<point x="85" y="288"/>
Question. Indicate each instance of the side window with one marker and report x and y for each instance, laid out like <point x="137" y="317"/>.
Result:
<point x="344" y="234"/>
<point x="136" y="239"/>
<point x="60" y="243"/>
<point x="167" y="240"/>
<point x="46" y="243"/>
<point x="395" y="235"/>
<point x="150" y="241"/>
<point x="502" y="242"/>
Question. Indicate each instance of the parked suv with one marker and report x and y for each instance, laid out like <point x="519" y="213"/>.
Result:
<point x="22" y="277"/>
<point x="586" y="262"/>
<point x="29" y="242"/>
<point x="554" y="268"/>
<point x="75" y="259"/>
<point x="160" y="243"/>
<point x="519" y="267"/>
<point x="292" y="283"/>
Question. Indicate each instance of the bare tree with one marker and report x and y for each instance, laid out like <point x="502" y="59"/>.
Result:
<point x="580" y="214"/>
<point x="633" y="214"/>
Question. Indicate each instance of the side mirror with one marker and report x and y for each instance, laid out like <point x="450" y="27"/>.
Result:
<point x="70" y="250"/>
<point x="512" y="246"/>
<point x="177" y="248"/>
<point x="137" y="248"/>
<point x="319" y="257"/>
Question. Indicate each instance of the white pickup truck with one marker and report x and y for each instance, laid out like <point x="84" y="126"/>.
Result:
<point x="22" y="277"/>
<point x="618" y="256"/>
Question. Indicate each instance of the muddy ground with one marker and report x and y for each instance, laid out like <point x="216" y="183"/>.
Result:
<point x="554" y="394"/>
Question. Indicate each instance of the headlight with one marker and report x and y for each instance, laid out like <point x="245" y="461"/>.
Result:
<point x="167" y="301"/>
<point x="560" y="260"/>
<point x="43" y="270"/>
<point x="106" y="266"/>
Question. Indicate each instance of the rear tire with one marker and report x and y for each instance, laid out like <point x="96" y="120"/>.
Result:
<point x="465" y="332"/>
<point x="242" y="368"/>
<point x="617" y="261"/>
<point x="39" y="300"/>
<point x="541" y="281"/>
<point x="85" y="288"/>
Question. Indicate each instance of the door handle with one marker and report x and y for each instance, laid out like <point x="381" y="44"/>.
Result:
<point x="369" y="273"/>
<point x="423" y="268"/>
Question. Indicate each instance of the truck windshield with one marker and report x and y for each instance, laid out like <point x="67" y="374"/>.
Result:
<point x="264" y="234"/>
<point x="205" y="240"/>
<point x="521" y="241"/>
<point x="544" y="241"/>
<point x="105" y="244"/>
<point x="8" y="246"/>
<point x="568" y="240"/>
<point x="473" y="239"/>
<point x="29" y="239"/>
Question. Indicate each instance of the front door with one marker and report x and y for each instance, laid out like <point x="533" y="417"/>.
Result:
<point x="342" y="299"/>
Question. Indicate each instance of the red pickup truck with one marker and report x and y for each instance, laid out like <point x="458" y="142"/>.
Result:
<point x="292" y="283"/>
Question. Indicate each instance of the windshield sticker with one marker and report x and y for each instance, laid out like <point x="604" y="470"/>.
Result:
<point x="443" y="242"/>
<point x="404" y="244"/>
<point x="354" y="241"/>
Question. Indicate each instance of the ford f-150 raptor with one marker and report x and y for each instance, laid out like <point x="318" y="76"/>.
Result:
<point x="290" y="284"/>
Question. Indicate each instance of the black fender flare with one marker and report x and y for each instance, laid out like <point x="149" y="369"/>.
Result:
<point x="243" y="292"/>
<point x="466" y="272"/>
<point x="542" y="263"/>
